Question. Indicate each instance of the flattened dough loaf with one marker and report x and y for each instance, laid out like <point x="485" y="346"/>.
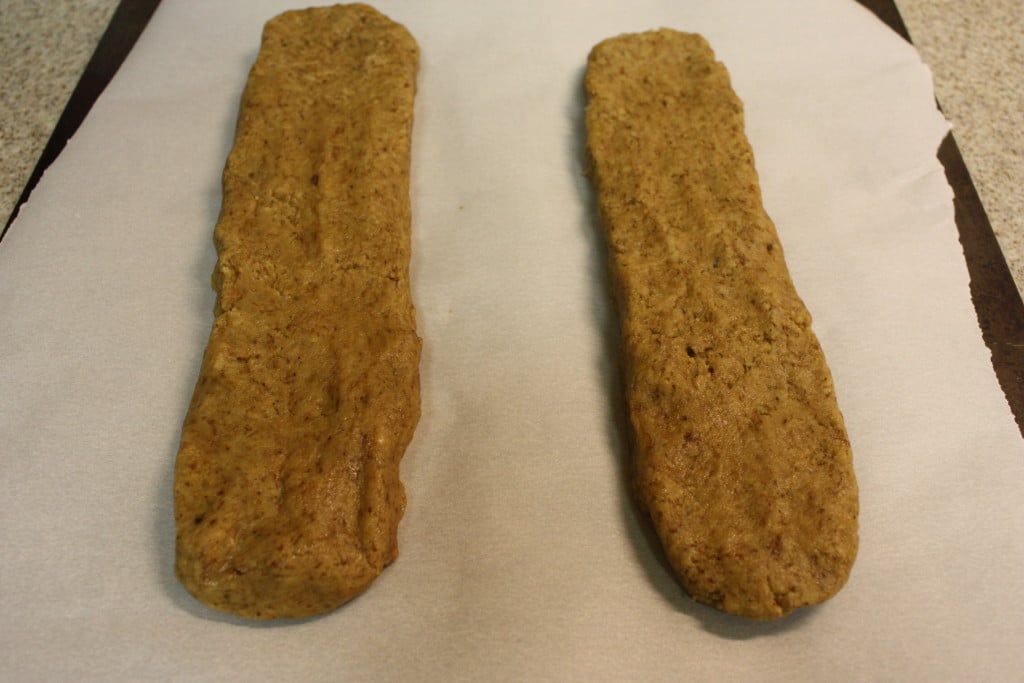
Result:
<point x="741" y="457"/>
<point x="287" y="496"/>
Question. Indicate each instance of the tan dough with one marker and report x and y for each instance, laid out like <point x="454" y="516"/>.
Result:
<point x="741" y="458"/>
<point x="287" y="494"/>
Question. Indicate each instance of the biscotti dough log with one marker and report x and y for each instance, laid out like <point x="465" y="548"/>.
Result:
<point x="287" y="494"/>
<point x="740" y="458"/>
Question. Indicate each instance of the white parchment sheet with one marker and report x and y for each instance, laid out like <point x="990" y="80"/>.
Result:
<point x="522" y="557"/>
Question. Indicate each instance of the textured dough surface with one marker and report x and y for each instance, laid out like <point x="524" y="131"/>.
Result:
<point x="741" y="457"/>
<point x="287" y="494"/>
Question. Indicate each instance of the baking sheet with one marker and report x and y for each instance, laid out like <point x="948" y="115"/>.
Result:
<point x="521" y="556"/>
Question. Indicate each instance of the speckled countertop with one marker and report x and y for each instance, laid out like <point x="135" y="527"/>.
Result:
<point x="44" y="47"/>
<point x="975" y="49"/>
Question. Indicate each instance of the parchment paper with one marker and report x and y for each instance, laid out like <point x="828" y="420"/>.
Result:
<point x="522" y="557"/>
